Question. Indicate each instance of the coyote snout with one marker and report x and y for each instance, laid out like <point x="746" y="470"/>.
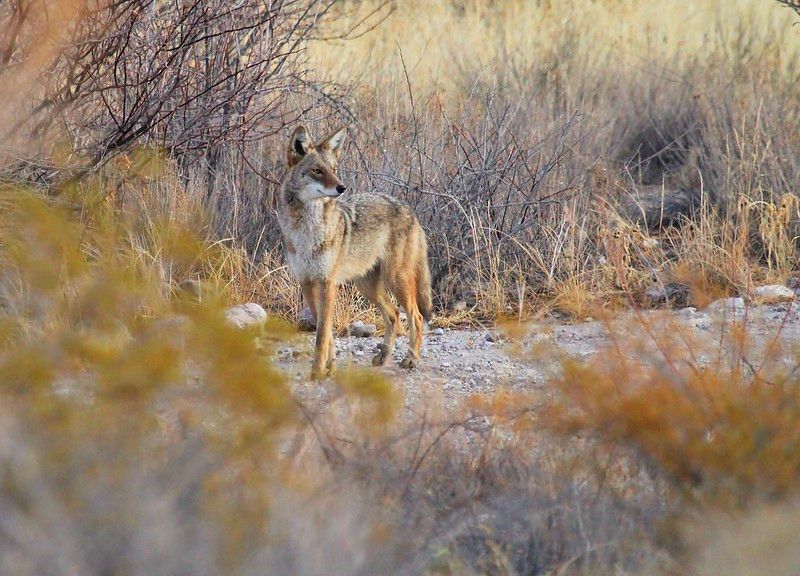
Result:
<point x="373" y="240"/>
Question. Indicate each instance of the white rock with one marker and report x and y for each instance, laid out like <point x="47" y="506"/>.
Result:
<point x="246" y="315"/>
<point x="727" y="306"/>
<point x="773" y="293"/>
<point x="460" y="306"/>
<point x="438" y="331"/>
<point x="361" y="330"/>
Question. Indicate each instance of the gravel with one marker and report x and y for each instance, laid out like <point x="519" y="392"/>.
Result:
<point x="460" y="362"/>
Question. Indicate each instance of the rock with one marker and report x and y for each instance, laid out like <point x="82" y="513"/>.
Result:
<point x="360" y="329"/>
<point x="305" y="321"/>
<point x="246" y="315"/>
<point x="672" y="294"/>
<point x="460" y="306"/>
<point x="489" y="337"/>
<point x="727" y="306"/>
<point x="679" y="295"/>
<point x="438" y="332"/>
<point x="773" y="293"/>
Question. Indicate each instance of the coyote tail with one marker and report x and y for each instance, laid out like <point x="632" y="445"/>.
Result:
<point x="424" y="297"/>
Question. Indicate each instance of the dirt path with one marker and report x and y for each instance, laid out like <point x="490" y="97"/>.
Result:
<point x="463" y="362"/>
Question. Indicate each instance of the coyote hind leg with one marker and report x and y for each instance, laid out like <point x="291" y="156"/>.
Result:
<point x="373" y="288"/>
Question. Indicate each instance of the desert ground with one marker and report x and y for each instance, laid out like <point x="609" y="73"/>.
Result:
<point x="459" y="362"/>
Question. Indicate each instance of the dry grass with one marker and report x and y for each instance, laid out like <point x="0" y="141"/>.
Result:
<point x="141" y="434"/>
<point x="522" y="131"/>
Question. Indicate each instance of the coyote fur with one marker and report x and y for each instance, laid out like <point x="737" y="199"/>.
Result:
<point x="373" y="240"/>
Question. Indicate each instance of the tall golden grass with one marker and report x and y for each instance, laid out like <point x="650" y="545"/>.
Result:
<point x="439" y="40"/>
<point x="669" y="95"/>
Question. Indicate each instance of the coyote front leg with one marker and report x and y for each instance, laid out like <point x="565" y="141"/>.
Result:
<point x="311" y="297"/>
<point x="325" y="351"/>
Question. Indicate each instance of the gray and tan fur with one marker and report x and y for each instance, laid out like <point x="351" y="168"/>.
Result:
<point x="373" y="240"/>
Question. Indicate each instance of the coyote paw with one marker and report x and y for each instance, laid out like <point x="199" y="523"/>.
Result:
<point x="318" y="373"/>
<point x="408" y="362"/>
<point x="382" y="356"/>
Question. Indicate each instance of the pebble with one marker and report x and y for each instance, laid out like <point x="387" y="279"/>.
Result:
<point x="246" y="315"/>
<point x="360" y="329"/>
<point x="773" y="293"/>
<point x="464" y="362"/>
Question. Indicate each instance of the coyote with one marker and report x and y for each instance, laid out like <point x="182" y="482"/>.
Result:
<point x="372" y="240"/>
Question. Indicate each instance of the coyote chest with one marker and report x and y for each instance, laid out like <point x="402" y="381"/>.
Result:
<point x="309" y="243"/>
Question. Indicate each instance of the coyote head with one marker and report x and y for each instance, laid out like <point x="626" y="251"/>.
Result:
<point x="313" y="166"/>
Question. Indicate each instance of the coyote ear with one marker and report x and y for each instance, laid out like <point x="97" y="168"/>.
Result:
<point x="299" y="145"/>
<point x="333" y="143"/>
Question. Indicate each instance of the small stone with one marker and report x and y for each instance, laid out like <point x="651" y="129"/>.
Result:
<point x="246" y="315"/>
<point x="360" y="329"/>
<point x="773" y="293"/>
<point x="438" y="331"/>
<point x="728" y="306"/>
<point x="305" y="321"/>
<point x="460" y="306"/>
<point x="672" y="294"/>
<point x="489" y="337"/>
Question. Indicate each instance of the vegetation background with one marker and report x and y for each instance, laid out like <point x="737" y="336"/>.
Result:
<point x="562" y="156"/>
